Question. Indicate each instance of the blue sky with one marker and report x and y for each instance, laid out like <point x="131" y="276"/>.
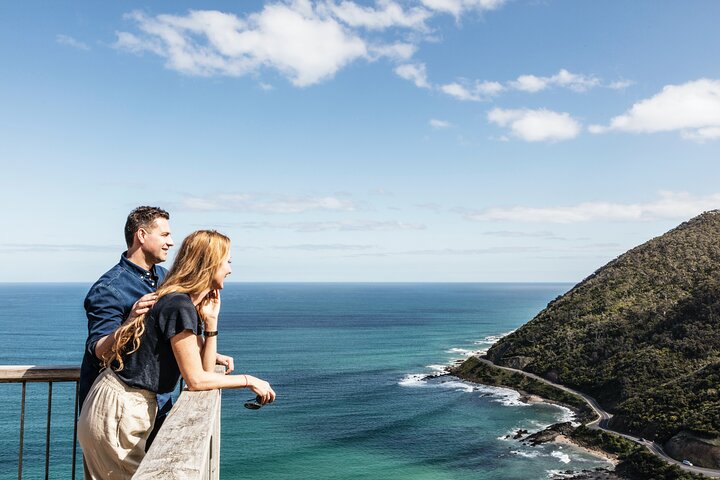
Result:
<point x="427" y="140"/>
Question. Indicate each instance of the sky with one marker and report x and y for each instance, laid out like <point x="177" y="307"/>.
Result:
<point x="341" y="141"/>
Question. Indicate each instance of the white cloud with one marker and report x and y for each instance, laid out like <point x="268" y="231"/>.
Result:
<point x="564" y="78"/>
<point x="416" y="73"/>
<point x="340" y="226"/>
<point x="249" y="203"/>
<point x="322" y="247"/>
<point x="435" y="123"/>
<point x="306" y="41"/>
<point x="536" y="125"/>
<point x="620" y="84"/>
<point x="529" y="83"/>
<point x="484" y="90"/>
<point x="480" y="91"/>
<point x="389" y="14"/>
<point x="670" y="205"/>
<point x="71" y="42"/>
<point x="395" y="51"/>
<point x="291" y="38"/>
<point x="457" y="7"/>
<point x="692" y="108"/>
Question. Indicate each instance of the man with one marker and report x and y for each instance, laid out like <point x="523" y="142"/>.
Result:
<point x="128" y="290"/>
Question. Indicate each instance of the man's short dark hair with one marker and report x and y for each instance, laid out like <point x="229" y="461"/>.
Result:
<point x="142" y="217"/>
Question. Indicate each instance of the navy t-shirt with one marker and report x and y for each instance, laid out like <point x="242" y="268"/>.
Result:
<point x="153" y="366"/>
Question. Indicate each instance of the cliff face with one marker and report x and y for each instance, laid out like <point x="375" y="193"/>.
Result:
<point x="641" y="334"/>
<point x="697" y="449"/>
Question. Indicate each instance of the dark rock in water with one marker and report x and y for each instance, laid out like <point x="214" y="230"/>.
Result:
<point x="520" y="433"/>
<point x="550" y="433"/>
<point x="597" y="474"/>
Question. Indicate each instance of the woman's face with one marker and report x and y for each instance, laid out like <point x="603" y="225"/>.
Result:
<point x="223" y="271"/>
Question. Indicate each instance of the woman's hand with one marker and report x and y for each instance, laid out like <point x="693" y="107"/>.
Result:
<point x="262" y="389"/>
<point x="210" y="309"/>
<point x="226" y="360"/>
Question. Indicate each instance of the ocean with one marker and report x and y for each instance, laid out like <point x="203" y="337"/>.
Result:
<point x="348" y="363"/>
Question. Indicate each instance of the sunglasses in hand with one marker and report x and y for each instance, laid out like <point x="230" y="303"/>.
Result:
<point x="254" y="404"/>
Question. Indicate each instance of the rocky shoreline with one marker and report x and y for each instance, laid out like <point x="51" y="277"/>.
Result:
<point x="560" y="433"/>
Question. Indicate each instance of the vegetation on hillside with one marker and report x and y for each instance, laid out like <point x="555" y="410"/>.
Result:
<point x="642" y="335"/>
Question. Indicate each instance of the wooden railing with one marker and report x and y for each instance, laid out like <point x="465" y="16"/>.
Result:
<point x="52" y="374"/>
<point x="188" y="444"/>
<point x="186" y="447"/>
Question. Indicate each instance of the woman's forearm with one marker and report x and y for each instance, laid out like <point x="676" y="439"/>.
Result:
<point x="210" y="381"/>
<point x="208" y="352"/>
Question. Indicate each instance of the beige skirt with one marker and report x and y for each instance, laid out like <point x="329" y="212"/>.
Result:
<point x="113" y="427"/>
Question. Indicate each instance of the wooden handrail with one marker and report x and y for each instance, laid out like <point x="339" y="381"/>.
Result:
<point x="35" y="373"/>
<point x="186" y="447"/>
<point x="188" y="443"/>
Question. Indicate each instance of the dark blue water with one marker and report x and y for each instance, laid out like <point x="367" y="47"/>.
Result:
<point x="346" y="361"/>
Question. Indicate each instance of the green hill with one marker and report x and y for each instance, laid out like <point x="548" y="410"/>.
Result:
<point x="642" y="336"/>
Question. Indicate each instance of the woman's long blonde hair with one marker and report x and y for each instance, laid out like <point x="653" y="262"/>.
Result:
<point x="201" y="254"/>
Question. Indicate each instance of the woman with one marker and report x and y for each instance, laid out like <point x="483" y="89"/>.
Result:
<point x="152" y="351"/>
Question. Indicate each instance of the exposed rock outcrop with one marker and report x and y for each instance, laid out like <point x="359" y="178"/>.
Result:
<point x="701" y="451"/>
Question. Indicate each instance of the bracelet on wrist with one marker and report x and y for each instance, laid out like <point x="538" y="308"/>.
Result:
<point x="208" y="333"/>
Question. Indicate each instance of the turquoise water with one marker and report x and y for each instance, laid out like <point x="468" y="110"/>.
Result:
<point x="346" y="361"/>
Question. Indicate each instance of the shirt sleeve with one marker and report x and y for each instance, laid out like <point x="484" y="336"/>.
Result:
<point x="177" y="317"/>
<point x="104" y="313"/>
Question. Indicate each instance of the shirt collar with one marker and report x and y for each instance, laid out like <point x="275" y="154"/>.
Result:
<point x="134" y="268"/>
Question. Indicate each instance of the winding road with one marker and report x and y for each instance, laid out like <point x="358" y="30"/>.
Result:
<point x="604" y="417"/>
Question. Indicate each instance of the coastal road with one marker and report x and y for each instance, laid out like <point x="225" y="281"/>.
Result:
<point x="604" y="417"/>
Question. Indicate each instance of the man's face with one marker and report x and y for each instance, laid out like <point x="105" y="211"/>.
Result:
<point x="156" y="241"/>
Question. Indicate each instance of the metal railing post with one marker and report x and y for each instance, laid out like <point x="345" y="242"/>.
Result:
<point x="47" y="432"/>
<point x="22" y="431"/>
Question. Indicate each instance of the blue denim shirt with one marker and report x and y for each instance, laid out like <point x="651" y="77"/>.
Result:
<point x="107" y="305"/>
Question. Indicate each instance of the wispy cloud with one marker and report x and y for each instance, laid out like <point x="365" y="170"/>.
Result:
<point x="387" y="14"/>
<point x="693" y="109"/>
<point x="341" y="226"/>
<point x="242" y="202"/>
<point x="294" y="39"/>
<point x="56" y="247"/>
<point x="458" y="7"/>
<point x="536" y="125"/>
<point x="324" y="247"/>
<point x="477" y="92"/>
<point x="71" y="42"/>
<point x="545" y="235"/>
<point x="415" y="73"/>
<point x="455" y="251"/>
<point x="670" y="206"/>
<point x="306" y="41"/>
<point x="439" y="124"/>
<point x="485" y="90"/>
<point x="564" y="78"/>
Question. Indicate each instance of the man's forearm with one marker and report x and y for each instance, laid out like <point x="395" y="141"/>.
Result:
<point x="104" y="345"/>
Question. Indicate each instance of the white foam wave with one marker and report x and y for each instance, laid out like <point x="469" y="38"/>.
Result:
<point x="457" y="385"/>
<point x="413" y="380"/>
<point x="563" y="457"/>
<point x="506" y="397"/>
<point x="566" y="415"/>
<point x="492" y="339"/>
<point x="438" y="368"/>
<point x="525" y="454"/>
<point x="461" y="351"/>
